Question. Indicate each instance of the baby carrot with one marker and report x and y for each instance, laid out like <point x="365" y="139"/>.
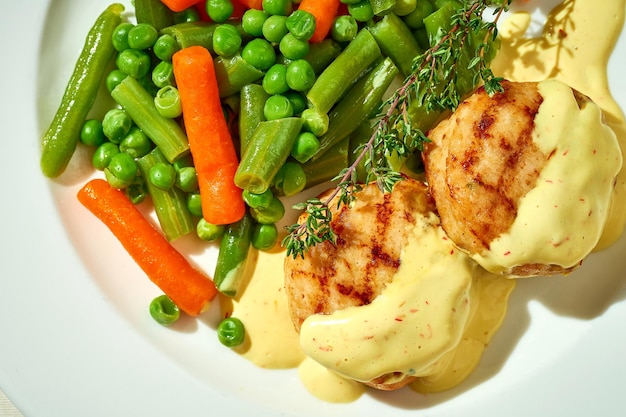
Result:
<point x="191" y="290"/>
<point x="324" y="12"/>
<point x="210" y="140"/>
<point x="179" y="5"/>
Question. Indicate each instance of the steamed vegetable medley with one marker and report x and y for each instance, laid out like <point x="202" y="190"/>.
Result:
<point x="223" y="107"/>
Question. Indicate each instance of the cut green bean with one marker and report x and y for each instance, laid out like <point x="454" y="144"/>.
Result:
<point x="358" y="105"/>
<point x="232" y="256"/>
<point x="267" y="151"/>
<point x="382" y="7"/>
<point x="170" y="205"/>
<point x="344" y="71"/>
<point x="165" y="133"/>
<point x="193" y="34"/>
<point x="326" y="167"/>
<point x="233" y="73"/>
<point x="252" y="101"/>
<point x="60" y="139"/>
<point x="397" y="42"/>
<point x="321" y="54"/>
<point x="153" y="12"/>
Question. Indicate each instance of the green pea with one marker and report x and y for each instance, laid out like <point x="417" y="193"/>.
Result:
<point x="226" y="40"/>
<point x="273" y="213"/>
<point x="404" y="7"/>
<point x="142" y="36"/>
<point x="361" y="11"/>
<point x="134" y="62"/>
<point x="121" y="171"/>
<point x="305" y="146"/>
<point x="290" y="179"/>
<point x="344" y="28"/>
<point x="274" y="28"/>
<point x="300" y="75"/>
<point x="314" y="121"/>
<point x="165" y="47"/>
<point x="194" y="204"/>
<point x="258" y="201"/>
<point x="136" y="143"/>
<point x="275" y="80"/>
<point x="277" y="7"/>
<point x="120" y="36"/>
<point x="114" y="78"/>
<point x="292" y="47"/>
<point x="167" y="102"/>
<point x="259" y="53"/>
<point x="91" y="133"/>
<point x="252" y="22"/>
<point x="164" y="311"/>
<point x="208" y="231"/>
<point x="415" y="19"/>
<point x="297" y="99"/>
<point x="116" y="124"/>
<point x="219" y="10"/>
<point x="103" y="155"/>
<point x="162" y="175"/>
<point x="231" y="332"/>
<point x="163" y="74"/>
<point x="301" y="24"/>
<point x="187" y="179"/>
<point x="264" y="236"/>
<point x="277" y="107"/>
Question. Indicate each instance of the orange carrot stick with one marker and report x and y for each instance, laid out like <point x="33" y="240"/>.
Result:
<point x="252" y="4"/>
<point x="324" y="12"/>
<point x="179" y="5"/>
<point x="191" y="290"/>
<point x="210" y="141"/>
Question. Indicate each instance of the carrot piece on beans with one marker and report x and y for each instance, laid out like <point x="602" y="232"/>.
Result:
<point x="190" y="289"/>
<point x="179" y="5"/>
<point x="324" y="12"/>
<point x="210" y="140"/>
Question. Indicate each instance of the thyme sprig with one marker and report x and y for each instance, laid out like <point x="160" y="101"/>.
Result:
<point x="435" y="86"/>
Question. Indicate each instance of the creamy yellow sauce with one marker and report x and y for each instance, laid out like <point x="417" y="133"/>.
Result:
<point x="578" y="59"/>
<point x="575" y="48"/>
<point x="560" y="221"/>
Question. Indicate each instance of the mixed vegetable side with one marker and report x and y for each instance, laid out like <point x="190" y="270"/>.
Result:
<point x="222" y="107"/>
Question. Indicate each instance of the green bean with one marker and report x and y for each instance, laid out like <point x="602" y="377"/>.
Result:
<point x="163" y="310"/>
<point x="267" y="151"/>
<point x="337" y="78"/>
<point x="232" y="256"/>
<point x="415" y="19"/>
<point x="192" y="34"/>
<point x="328" y="165"/>
<point x="233" y="73"/>
<point x="60" y="139"/>
<point x="404" y="7"/>
<point x="231" y="332"/>
<point x="153" y="12"/>
<point x="359" y="137"/>
<point x="321" y="54"/>
<point x="358" y="105"/>
<point x="165" y="133"/>
<point x="397" y="42"/>
<point x="382" y="7"/>
<point x="252" y="101"/>
<point x="171" y="205"/>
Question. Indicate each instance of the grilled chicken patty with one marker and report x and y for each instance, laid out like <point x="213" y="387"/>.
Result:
<point x="370" y="237"/>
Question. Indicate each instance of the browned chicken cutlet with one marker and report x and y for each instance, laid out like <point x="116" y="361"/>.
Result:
<point x="370" y="238"/>
<point x="481" y="161"/>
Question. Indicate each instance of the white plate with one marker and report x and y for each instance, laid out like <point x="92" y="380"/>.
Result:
<point x="76" y="338"/>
